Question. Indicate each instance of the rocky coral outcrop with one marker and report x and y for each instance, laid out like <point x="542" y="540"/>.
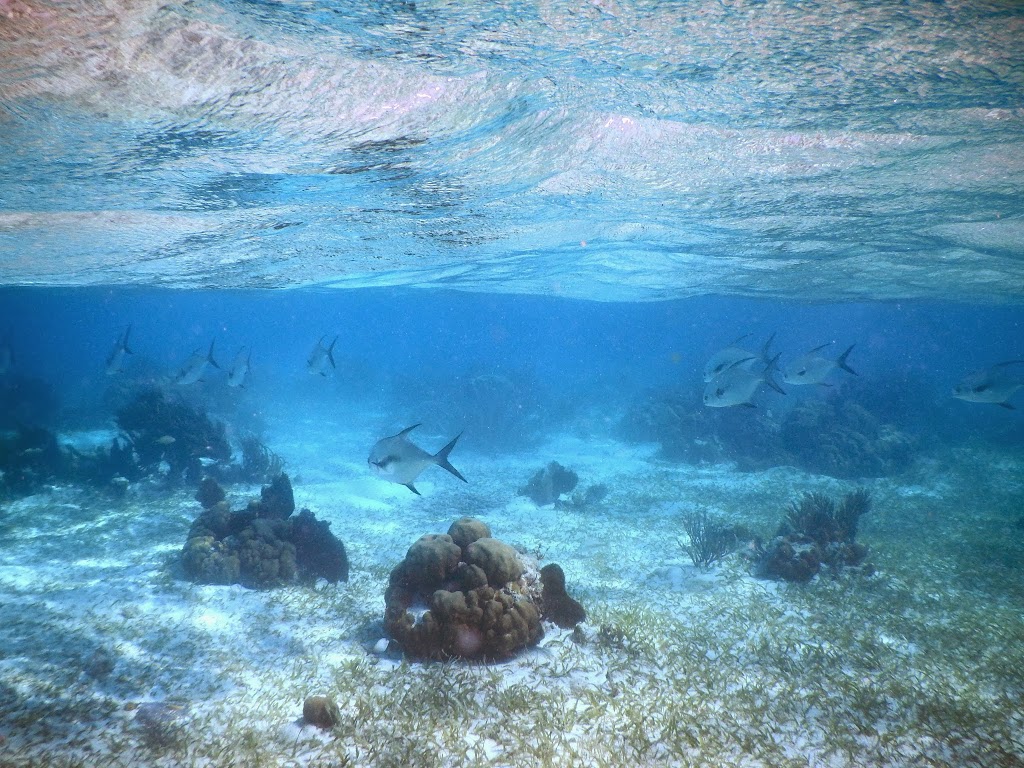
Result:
<point x="263" y="545"/>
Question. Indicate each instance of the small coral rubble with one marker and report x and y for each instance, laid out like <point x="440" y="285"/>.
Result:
<point x="263" y="545"/>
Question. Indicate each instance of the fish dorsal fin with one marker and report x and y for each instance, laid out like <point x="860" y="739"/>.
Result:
<point x="737" y="341"/>
<point x="406" y="431"/>
<point x="819" y="348"/>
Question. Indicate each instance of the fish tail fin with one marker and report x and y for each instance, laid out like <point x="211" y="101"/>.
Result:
<point x="330" y="355"/>
<point x="769" y="374"/>
<point x="209" y="355"/>
<point x="441" y="457"/>
<point x="127" y="333"/>
<point x="841" y="362"/>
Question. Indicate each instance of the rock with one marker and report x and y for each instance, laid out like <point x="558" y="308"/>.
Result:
<point x="321" y="711"/>
<point x="558" y="606"/>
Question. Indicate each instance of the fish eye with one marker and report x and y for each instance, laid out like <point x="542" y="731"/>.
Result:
<point x="719" y="392"/>
<point x="981" y="388"/>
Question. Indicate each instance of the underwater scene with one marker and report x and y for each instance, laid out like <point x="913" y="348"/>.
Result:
<point x="539" y="383"/>
<point x="226" y="542"/>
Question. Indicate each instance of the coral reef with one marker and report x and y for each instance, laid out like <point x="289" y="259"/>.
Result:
<point x="709" y="539"/>
<point x="161" y="429"/>
<point x="815" y="532"/>
<point x="548" y="484"/>
<point x="840" y="438"/>
<point x="478" y="606"/>
<point x="263" y="545"/>
<point x="832" y="435"/>
<point x="557" y="605"/>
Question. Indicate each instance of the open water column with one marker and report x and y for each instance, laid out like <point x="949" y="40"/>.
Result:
<point x="564" y="383"/>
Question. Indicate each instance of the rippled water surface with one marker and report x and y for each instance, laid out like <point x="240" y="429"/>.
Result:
<point x="628" y="150"/>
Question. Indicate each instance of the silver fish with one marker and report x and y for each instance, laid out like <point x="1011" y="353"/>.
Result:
<point x="321" y="356"/>
<point x="194" y="368"/>
<point x="994" y="384"/>
<point x="737" y="384"/>
<point x="813" y="368"/>
<point x="240" y="369"/>
<point x="116" y="357"/>
<point x="733" y="354"/>
<point x="399" y="460"/>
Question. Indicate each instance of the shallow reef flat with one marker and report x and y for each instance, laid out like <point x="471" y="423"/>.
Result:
<point x="109" y="658"/>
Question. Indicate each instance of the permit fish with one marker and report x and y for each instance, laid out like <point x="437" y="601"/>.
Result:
<point x="733" y="354"/>
<point x="401" y="461"/>
<point x="194" y="368"/>
<point x="240" y="369"/>
<point x="813" y="368"/>
<point x="994" y="384"/>
<point x="116" y="357"/>
<point x="737" y="384"/>
<point x="321" y="356"/>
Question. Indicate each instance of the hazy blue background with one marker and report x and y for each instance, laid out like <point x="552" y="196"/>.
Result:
<point x="577" y="364"/>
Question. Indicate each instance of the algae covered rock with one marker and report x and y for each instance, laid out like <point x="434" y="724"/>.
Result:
<point x="475" y="607"/>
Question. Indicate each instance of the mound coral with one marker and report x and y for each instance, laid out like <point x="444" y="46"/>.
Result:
<point x="477" y="605"/>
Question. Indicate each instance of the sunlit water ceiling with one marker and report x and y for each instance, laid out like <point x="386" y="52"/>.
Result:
<point x="614" y="150"/>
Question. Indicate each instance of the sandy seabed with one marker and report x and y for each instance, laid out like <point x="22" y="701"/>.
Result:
<point x="921" y="663"/>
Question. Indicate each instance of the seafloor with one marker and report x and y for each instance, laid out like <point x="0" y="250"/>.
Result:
<point x="921" y="663"/>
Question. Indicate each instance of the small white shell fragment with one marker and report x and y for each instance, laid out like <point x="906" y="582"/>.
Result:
<point x="381" y="646"/>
